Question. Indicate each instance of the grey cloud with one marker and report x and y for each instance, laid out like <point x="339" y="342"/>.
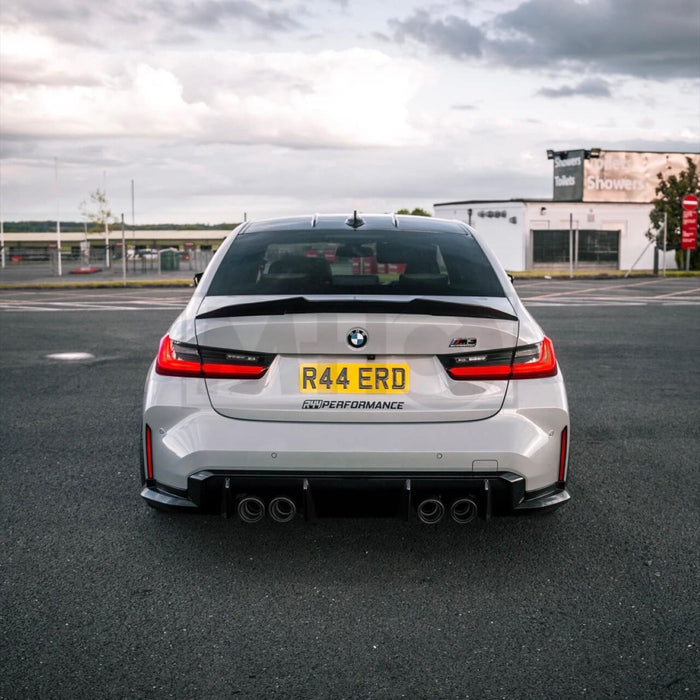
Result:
<point x="453" y="36"/>
<point x="38" y="74"/>
<point x="642" y="38"/>
<point x="213" y="13"/>
<point x="46" y="12"/>
<point x="132" y="22"/>
<point x="592" y="87"/>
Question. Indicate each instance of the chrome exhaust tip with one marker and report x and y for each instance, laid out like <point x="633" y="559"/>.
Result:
<point x="282" y="509"/>
<point x="251" y="509"/>
<point x="430" y="511"/>
<point x="463" y="510"/>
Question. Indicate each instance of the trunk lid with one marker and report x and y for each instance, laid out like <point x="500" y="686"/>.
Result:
<point x="356" y="359"/>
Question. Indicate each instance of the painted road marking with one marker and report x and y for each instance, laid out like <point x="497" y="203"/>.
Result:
<point x="70" y="356"/>
<point x="27" y="305"/>
<point x="560" y="293"/>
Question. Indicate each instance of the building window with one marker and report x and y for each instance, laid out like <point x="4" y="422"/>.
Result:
<point x="591" y="247"/>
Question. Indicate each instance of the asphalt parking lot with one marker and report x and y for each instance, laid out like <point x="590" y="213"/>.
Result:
<point x="103" y="597"/>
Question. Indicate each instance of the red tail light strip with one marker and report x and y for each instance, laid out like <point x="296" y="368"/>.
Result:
<point x="149" y="453"/>
<point x="487" y="372"/>
<point x="169" y="363"/>
<point x="544" y="366"/>
<point x="562" y="453"/>
<point x="216" y="371"/>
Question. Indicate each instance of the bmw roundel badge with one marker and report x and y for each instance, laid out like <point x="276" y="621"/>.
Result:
<point x="357" y="338"/>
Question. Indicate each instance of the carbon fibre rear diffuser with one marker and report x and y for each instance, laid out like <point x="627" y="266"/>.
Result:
<point x="327" y="495"/>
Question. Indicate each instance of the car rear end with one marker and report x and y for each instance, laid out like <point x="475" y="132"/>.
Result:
<point x="337" y="366"/>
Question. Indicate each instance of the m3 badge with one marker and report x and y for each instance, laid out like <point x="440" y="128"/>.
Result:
<point x="463" y="343"/>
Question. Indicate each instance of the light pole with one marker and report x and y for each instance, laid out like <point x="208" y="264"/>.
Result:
<point x="59" y="269"/>
<point x="108" y="262"/>
<point x="123" y="254"/>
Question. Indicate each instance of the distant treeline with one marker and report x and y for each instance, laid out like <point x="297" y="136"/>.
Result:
<point x="78" y="226"/>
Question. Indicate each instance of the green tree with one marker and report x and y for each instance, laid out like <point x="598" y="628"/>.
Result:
<point x="417" y="211"/>
<point x="668" y="202"/>
<point x="97" y="213"/>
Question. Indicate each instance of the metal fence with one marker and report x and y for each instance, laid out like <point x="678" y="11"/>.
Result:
<point x="38" y="261"/>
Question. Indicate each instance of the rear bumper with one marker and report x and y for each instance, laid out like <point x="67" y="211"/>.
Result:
<point x="318" y="495"/>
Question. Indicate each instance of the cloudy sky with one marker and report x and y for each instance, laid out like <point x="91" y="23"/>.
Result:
<point x="219" y="107"/>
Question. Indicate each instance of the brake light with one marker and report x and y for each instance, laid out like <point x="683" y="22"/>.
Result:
<point x="177" y="364"/>
<point x="149" y="453"/>
<point x="544" y="365"/>
<point x="184" y="360"/>
<point x="525" y="362"/>
<point x="562" y="453"/>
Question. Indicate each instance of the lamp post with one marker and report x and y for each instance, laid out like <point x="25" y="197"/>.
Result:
<point x="123" y="254"/>
<point x="59" y="269"/>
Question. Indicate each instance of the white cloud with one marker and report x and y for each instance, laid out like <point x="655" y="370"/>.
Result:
<point x="350" y="98"/>
<point x="151" y="104"/>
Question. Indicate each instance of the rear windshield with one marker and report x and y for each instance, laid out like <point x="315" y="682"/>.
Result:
<point x="355" y="262"/>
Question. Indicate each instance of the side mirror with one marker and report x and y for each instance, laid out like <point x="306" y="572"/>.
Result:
<point x="511" y="278"/>
<point x="197" y="278"/>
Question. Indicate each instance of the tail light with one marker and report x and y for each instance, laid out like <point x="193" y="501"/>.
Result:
<point x="525" y="362"/>
<point x="177" y="359"/>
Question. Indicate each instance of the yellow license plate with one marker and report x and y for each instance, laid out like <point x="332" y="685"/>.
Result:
<point x="323" y="378"/>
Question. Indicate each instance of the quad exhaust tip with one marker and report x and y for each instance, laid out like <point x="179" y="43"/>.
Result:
<point x="282" y="509"/>
<point x="251" y="509"/>
<point x="431" y="511"/>
<point x="463" y="510"/>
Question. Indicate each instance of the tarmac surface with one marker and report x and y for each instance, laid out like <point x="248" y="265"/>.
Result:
<point x="104" y="598"/>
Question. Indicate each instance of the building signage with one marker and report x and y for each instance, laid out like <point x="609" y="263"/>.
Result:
<point x="568" y="176"/>
<point x="627" y="176"/>
<point x="616" y="176"/>
<point x="689" y="224"/>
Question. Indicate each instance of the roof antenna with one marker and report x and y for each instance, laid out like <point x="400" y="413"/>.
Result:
<point x="355" y="221"/>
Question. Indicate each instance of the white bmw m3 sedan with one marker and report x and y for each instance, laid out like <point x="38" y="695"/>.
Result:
<point x="371" y="365"/>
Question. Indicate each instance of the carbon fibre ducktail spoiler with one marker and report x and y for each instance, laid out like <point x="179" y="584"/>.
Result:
<point x="303" y="305"/>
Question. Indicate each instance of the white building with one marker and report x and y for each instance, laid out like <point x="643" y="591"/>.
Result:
<point x="528" y="234"/>
<point x="597" y="218"/>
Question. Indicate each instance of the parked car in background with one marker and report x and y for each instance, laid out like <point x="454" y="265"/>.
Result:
<point x="142" y="254"/>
